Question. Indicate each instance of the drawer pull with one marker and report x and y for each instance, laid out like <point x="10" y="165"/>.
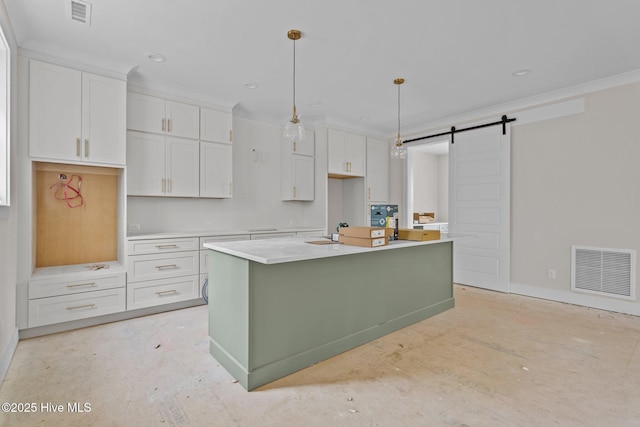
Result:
<point x="78" y="285"/>
<point x="174" y="246"/>
<point x="161" y="293"/>
<point x="78" y="307"/>
<point x="162" y="267"/>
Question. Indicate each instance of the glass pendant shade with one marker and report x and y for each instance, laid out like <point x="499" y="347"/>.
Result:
<point x="294" y="129"/>
<point x="398" y="151"/>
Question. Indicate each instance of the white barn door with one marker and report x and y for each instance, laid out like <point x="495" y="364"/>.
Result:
<point x="479" y="204"/>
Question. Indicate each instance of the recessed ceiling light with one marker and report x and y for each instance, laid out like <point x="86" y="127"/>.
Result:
<point x="156" y="57"/>
<point x="251" y="85"/>
<point x="522" y="72"/>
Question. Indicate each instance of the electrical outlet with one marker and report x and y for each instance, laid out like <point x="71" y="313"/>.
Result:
<point x="551" y="273"/>
<point x="208" y="225"/>
<point x="134" y="227"/>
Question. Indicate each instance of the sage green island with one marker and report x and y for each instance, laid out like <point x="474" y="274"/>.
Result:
<point x="279" y="305"/>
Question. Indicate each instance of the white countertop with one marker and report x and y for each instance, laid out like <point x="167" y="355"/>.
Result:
<point x="202" y="233"/>
<point x="289" y="249"/>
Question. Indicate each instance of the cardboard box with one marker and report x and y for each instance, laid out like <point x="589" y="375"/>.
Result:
<point x="364" y="242"/>
<point x="423" y="218"/>
<point x="379" y="214"/>
<point x="362" y="232"/>
<point x="419" y="235"/>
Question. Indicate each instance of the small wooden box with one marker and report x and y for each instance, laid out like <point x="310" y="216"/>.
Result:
<point x="419" y="235"/>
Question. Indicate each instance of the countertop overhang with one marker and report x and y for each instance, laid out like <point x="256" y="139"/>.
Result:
<point x="290" y="249"/>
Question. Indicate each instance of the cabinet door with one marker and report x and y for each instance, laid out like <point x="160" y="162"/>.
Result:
<point x="183" y="120"/>
<point x="145" y="113"/>
<point x="104" y="103"/>
<point x="356" y="154"/>
<point x="302" y="174"/>
<point x="145" y="164"/>
<point x="215" y="170"/>
<point x="306" y="147"/>
<point x="377" y="170"/>
<point x="182" y="167"/>
<point x="215" y="126"/>
<point x="336" y="149"/>
<point x="55" y="118"/>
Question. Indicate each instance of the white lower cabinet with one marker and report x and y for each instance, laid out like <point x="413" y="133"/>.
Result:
<point x="76" y="295"/>
<point x="162" y="291"/>
<point x="162" y="271"/>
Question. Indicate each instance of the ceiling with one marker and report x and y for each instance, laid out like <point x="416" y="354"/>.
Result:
<point x="456" y="56"/>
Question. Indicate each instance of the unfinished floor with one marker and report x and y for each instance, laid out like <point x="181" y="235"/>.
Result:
<point x="494" y="360"/>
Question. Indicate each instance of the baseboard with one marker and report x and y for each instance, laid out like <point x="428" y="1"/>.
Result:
<point x="7" y="354"/>
<point x="576" y="298"/>
<point x="108" y="318"/>
<point x="280" y="368"/>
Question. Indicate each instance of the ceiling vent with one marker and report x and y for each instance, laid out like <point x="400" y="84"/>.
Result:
<point x="80" y="11"/>
<point x="610" y="272"/>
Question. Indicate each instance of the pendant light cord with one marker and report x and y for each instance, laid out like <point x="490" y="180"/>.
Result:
<point x="294" y="76"/>
<point x="398" y="112"/>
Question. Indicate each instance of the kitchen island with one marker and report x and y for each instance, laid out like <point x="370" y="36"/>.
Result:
<point x="279" y="305"/>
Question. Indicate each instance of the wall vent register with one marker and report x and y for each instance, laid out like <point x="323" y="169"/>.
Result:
<point x="610" y="272"/>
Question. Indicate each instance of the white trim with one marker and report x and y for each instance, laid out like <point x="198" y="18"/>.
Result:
<point x="601" y="303"/>
<point x="221" y="106"/>
<point x="7" y="354"/>
<point x="527" y="103"/>
<point x="32" y="54"/>
<point x="551" y="111"/>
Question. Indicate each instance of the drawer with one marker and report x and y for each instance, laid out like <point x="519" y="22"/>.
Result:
<point x="47" y="311"/>
<point x="271" y="235"/>
<point x="234" y="238"/>
<point x="163" y="291"/>
<point x="155" y="246"/>
<point x="161" y="266"/>
<point x="204" y="252"/>
<point x="67" y="286"/>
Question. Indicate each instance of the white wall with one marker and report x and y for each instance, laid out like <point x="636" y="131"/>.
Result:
<point x="430" y="183"/>
<point x="443" y="189"/>
<point x="8" y="231"/>
<point x="256" y="201"/>
<point x="574" y="181"/>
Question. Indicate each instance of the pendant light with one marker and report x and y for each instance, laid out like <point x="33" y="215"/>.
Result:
<point x="294" y="129"/>
<point x="398" y="151"/>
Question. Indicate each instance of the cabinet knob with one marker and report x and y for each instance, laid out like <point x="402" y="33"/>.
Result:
<point x="86" y="148"/>
<point x="162" y="125"/>
<point x="78" y="147"/>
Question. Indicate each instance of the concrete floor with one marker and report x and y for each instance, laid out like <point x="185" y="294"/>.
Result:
<point x="494" y="360"/>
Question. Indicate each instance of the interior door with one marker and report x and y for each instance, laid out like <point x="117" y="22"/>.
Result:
<point x="479" y="206"/>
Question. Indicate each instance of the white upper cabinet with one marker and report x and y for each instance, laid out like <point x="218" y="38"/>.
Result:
<point x="76" y="116"/>
<point x="216" y="177"/>
<point x="298" y="181"/>
<point x="346" y="153"/>
<point x="215" y="126"/>
<point x="152" y="114"/>
<point x="298" y="169"/>
<point x="145" y="164"/>
<point x="162" y="166"/>
<point x="377" y="170"/>
<point x="303" y="148"/>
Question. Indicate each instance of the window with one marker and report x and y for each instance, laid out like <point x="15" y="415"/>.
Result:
<point x="4" y="121"/>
